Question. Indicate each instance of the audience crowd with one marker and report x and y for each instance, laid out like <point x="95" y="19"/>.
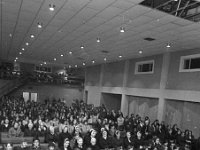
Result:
<point x="85" y="127"/>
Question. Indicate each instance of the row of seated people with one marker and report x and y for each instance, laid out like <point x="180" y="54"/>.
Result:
<point x="85" y="127"/>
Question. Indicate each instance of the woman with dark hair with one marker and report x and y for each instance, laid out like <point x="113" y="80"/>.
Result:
<point x="88" y="137"/>
<point x="128" y="140"/>
<point x="66" y="144"/>
<point x="79" y="144"/>
<point x="62" y="136"/>
<point x="104" y="140"/>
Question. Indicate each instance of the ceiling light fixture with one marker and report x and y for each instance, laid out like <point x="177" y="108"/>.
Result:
<point x="52" y="7"/>
<point x="82" y="47"/>
<point x="98" y="40"/>
<point x="70" y="52"/>
<point x="41" y="64"/>
<point x="140" y="52"/>
<point x="61" y="55"/>
<point x="45" y="62"/>
<point x="20" y="53"/>
<point x="39" y="25"/>
<point x="70" y="66"/>
<point x="122" y="29"/>
<point x="168" y="45"/>
<point x="93" y="61"/>
<point x="32" y="36"/>
<point x="83" y="64"/>
<point x="27" y="44"/>
<point x="105" y="59"/>
<point x="23" y="49"/>
<point x="120" y="56"/>
<point x="10" y="35"/>
<point x="76" y="66"/>
<point x="54" y="59"/>
<point x="16" y="58"/>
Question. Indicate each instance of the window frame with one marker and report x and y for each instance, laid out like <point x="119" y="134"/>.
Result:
<point x="182" y="63"/>
<point x="144" y="62"/>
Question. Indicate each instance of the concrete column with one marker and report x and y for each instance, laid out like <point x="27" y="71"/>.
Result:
<point x="101" y="75"/>
<point x="125" y="105"/>
<point x="163" y="83"/>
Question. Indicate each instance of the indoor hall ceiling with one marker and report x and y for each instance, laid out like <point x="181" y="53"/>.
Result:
<point x="76" y="23"/>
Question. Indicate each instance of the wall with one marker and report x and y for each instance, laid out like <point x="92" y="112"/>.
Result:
<point x="151" y="81"/>
<point x="93" y="75"/>
<point x="111" y="101"/>
<point x="52" y="91"/>
<point x="182" y="80"/>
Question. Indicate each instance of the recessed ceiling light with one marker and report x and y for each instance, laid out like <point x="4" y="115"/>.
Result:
<point x="10" y="35"/>
<point x="27" y="43"/>
<point x="83" y="64"/>
<point x="60" y="31"/>
<point x="23" y="49"/>
<point x="98" y="40"/>
<point x="104" y="59"/>
<point x="32" y="36"/>
<point x="70" y="66"/>
<point x="76" y="66"/>
<point x="39" y="25"/>
<point x="168" y="45"/>
<point x="16" y="58"/>
<point x="20" y="53"/>
<point x="52" y="7"/>
<point x="54" y="59"/>
<point x="93" y="61"/>
<point x="70" y="52"/>
<point x="140" y="52"/>
<point x="41" y="64"/>
<point x="61" y="55"/>
<point x="120" y="56"/>
<point x="45" y="62"/>
<point x="122" y="29"/>
<point x="82" y="47"/>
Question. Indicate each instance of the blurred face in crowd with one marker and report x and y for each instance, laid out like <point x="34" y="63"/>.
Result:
<point x="66" y="143"/>
<point x="16" y="125"/>
<point x="36" y="143"/>
<point x="80" y="141"/>
<point x="93" y="133"/>
<point x="51" y="147"/>
<point x="93" y="141"/>
<point x="9" y="146"/>
<point x="6" y="121"/>
<point x="128" y="134"/>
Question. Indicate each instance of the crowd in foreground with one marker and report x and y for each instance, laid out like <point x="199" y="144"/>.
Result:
<point x="85" y="127"/>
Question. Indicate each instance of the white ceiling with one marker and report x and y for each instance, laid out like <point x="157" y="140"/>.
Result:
<point x="80" y="22"/>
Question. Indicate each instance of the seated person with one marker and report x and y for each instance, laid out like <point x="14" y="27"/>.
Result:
<point x="51" y="136"/>
<point x="29" y="132"/>
<point x="36" y="144"/>
<point x="66" y="145"/>
<point x="15" y="131"/>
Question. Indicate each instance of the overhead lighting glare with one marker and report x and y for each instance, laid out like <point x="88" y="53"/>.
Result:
<point x="140" y="52"/>
<point x="32" y="36"/>
<point x="54" y="59"/>
<point x="120" y="56"/>
<point x="82" y="47"/>
<point x="83" y="64"/>
<point x="27" y="44"/>
<point x="70" y="52"/>
<point x="98" y="40"/>
<point x="105" y="59"/>
<point x="70" y="66"/>
<point x="52" y="7"/>
<point x="16" y="58"/>
<point x="61" y="55"/>
<point x="168" y="45"/>
<point x="93" y="61"/>
<point x="76" y="66"/>
<point x="20" y="53"/>
<point x="10" y="35"/>
<point x="23" y="49"/>
<point x="41" y="64"/>
<point x="122" y="30"/>
<point x="45" y="62"/>
<point x="39" y="25"/>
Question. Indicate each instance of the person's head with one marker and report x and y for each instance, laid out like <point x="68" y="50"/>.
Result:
<point x="157" y="140"/>
<point x="93" y="133"/>
<point x="16" y="125"/>
<point x="66" y="143"/>
<point x="139" y="134"/>
<point x="104" y="133"/>
<point x="80" y="141"/>
<point x="51" y="146"/>
<point x="65" y="129"/>
<point x="93" y="141"/>
<point x="30" y="125"/>
<point x="36" y="142"/>
<point x="24" y="144"/>
<point x="51" y="129"/>
<point x="8" y="146"/>
<point x="6" y="121"/>
<point x="128" y="134"/>
<point x="117" y="133"/>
